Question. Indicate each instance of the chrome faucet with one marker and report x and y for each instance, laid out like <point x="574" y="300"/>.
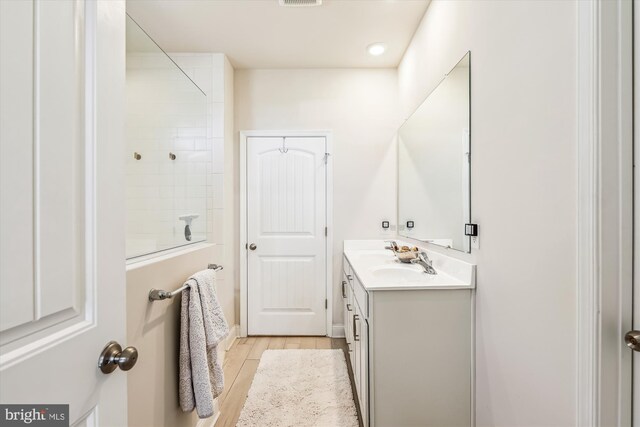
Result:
<point x="424" y="261"/>
<point x="392" y="245"/>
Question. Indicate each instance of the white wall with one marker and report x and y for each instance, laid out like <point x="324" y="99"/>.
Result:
<point x="360" y="108"/>
<point x="523" y="143"/>
<point x="153" y="328"/>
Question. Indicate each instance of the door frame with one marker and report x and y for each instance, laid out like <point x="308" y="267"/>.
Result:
<point x="244" y="253"/>
<point x="604" y="242"/>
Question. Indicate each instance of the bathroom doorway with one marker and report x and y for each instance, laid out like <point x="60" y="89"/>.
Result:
<point x="285" y="234"/>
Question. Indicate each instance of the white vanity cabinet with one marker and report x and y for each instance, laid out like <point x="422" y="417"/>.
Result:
<point x="357" y="336"/>
<point x="410" y="350"/>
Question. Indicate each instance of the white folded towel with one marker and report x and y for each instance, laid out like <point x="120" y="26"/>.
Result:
<point x="202" y="328"/>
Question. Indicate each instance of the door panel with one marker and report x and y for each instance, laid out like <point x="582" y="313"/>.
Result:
<point x="348" y="323"/>
<point x="356" y="347"/>
<point x="50" y="245"/>
<point x="62" y="257"/>
<point x="344" y="288"/>
<point x="286" y="218"/>
<point x="16" y="228"/>
<point x="284" y="283"/>
<point x="363" y="393"/>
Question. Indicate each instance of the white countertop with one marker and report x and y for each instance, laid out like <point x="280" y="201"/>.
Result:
<point x="378" y="269"/>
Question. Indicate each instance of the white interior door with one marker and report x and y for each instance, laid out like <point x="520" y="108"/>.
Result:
<point x="286" y="223"/>
<point x="62" y="272"/>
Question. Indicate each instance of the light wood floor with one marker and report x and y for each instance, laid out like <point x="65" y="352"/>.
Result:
<point x="241" y="362"/>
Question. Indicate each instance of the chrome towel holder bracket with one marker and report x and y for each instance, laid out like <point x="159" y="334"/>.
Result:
<point x="159" y="294"/>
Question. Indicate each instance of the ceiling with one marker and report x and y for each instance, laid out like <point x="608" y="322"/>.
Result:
<point x="263" y="34"/>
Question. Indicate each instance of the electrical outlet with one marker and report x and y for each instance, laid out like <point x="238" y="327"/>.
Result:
<point x="475" y="242"/>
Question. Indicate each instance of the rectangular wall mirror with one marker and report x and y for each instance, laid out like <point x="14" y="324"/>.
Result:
<point x="434" y="180"/>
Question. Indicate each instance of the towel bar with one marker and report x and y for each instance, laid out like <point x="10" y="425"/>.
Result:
<point x="158" y="294"/>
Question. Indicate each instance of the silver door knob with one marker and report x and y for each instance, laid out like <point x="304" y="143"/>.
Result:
<point x="632" y="338"/>
<point x="113" y="356"/>
<point x="253" y="247"/>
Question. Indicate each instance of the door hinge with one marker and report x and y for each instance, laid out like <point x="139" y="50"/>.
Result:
<point x="326" y="158"/>
<point x="326" y="304"/>
<point x="326" y="231"/>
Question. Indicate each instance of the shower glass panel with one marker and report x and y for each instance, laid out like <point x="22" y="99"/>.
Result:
<point x="168" y="154"/>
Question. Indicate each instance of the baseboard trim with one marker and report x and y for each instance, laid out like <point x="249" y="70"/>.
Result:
<point x="233" y="334"/>
<point x="337" y="331"/>
<point x="227" y="343"/>
<point x="222" y="352"/>
<point x="210" y="422"/>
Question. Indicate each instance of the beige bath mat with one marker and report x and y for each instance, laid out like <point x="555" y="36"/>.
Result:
<point x="300" y="388"/>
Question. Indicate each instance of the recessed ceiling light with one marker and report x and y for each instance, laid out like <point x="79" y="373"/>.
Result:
<point x="377" y="49"/>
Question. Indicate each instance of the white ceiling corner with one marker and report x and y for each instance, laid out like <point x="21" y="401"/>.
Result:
<point x="263" y="34"/>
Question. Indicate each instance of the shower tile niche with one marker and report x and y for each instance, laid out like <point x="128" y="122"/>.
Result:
<point x="169" y="149"/>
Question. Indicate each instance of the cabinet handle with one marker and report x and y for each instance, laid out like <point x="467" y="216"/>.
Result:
<point x="349" y="307"/>
<point x="356" y="337"/>
<point x="344" y="294"/>
<point x="350" y="277"/>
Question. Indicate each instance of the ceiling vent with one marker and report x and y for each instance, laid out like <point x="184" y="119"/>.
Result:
<point x="300" y="3"/>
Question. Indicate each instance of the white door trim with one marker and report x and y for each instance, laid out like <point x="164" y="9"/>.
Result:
<point x="604" y="208"/>
<point x="588" y="285"/>
<point x="244" y="135"/>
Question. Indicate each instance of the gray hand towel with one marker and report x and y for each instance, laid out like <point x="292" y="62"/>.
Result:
<point x="202" y="328"/>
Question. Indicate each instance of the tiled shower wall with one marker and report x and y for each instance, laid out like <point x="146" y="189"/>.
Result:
<point x="166" y="115"/>
<point x="191" y="126"/>
<point x="214" y="75"/>
<point x="207" y="71"/>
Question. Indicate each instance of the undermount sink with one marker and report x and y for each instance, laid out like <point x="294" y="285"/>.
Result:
<point x="379" y="269"/>
<point x="376" y="257"/>
<point x="398" y="273"/>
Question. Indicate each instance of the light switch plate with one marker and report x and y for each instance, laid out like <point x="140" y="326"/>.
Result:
<point x="475" y="242"/>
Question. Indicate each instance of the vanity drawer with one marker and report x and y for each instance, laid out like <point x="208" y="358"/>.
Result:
<point x="346" y="267"/>
<point x="360" y="295"/>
